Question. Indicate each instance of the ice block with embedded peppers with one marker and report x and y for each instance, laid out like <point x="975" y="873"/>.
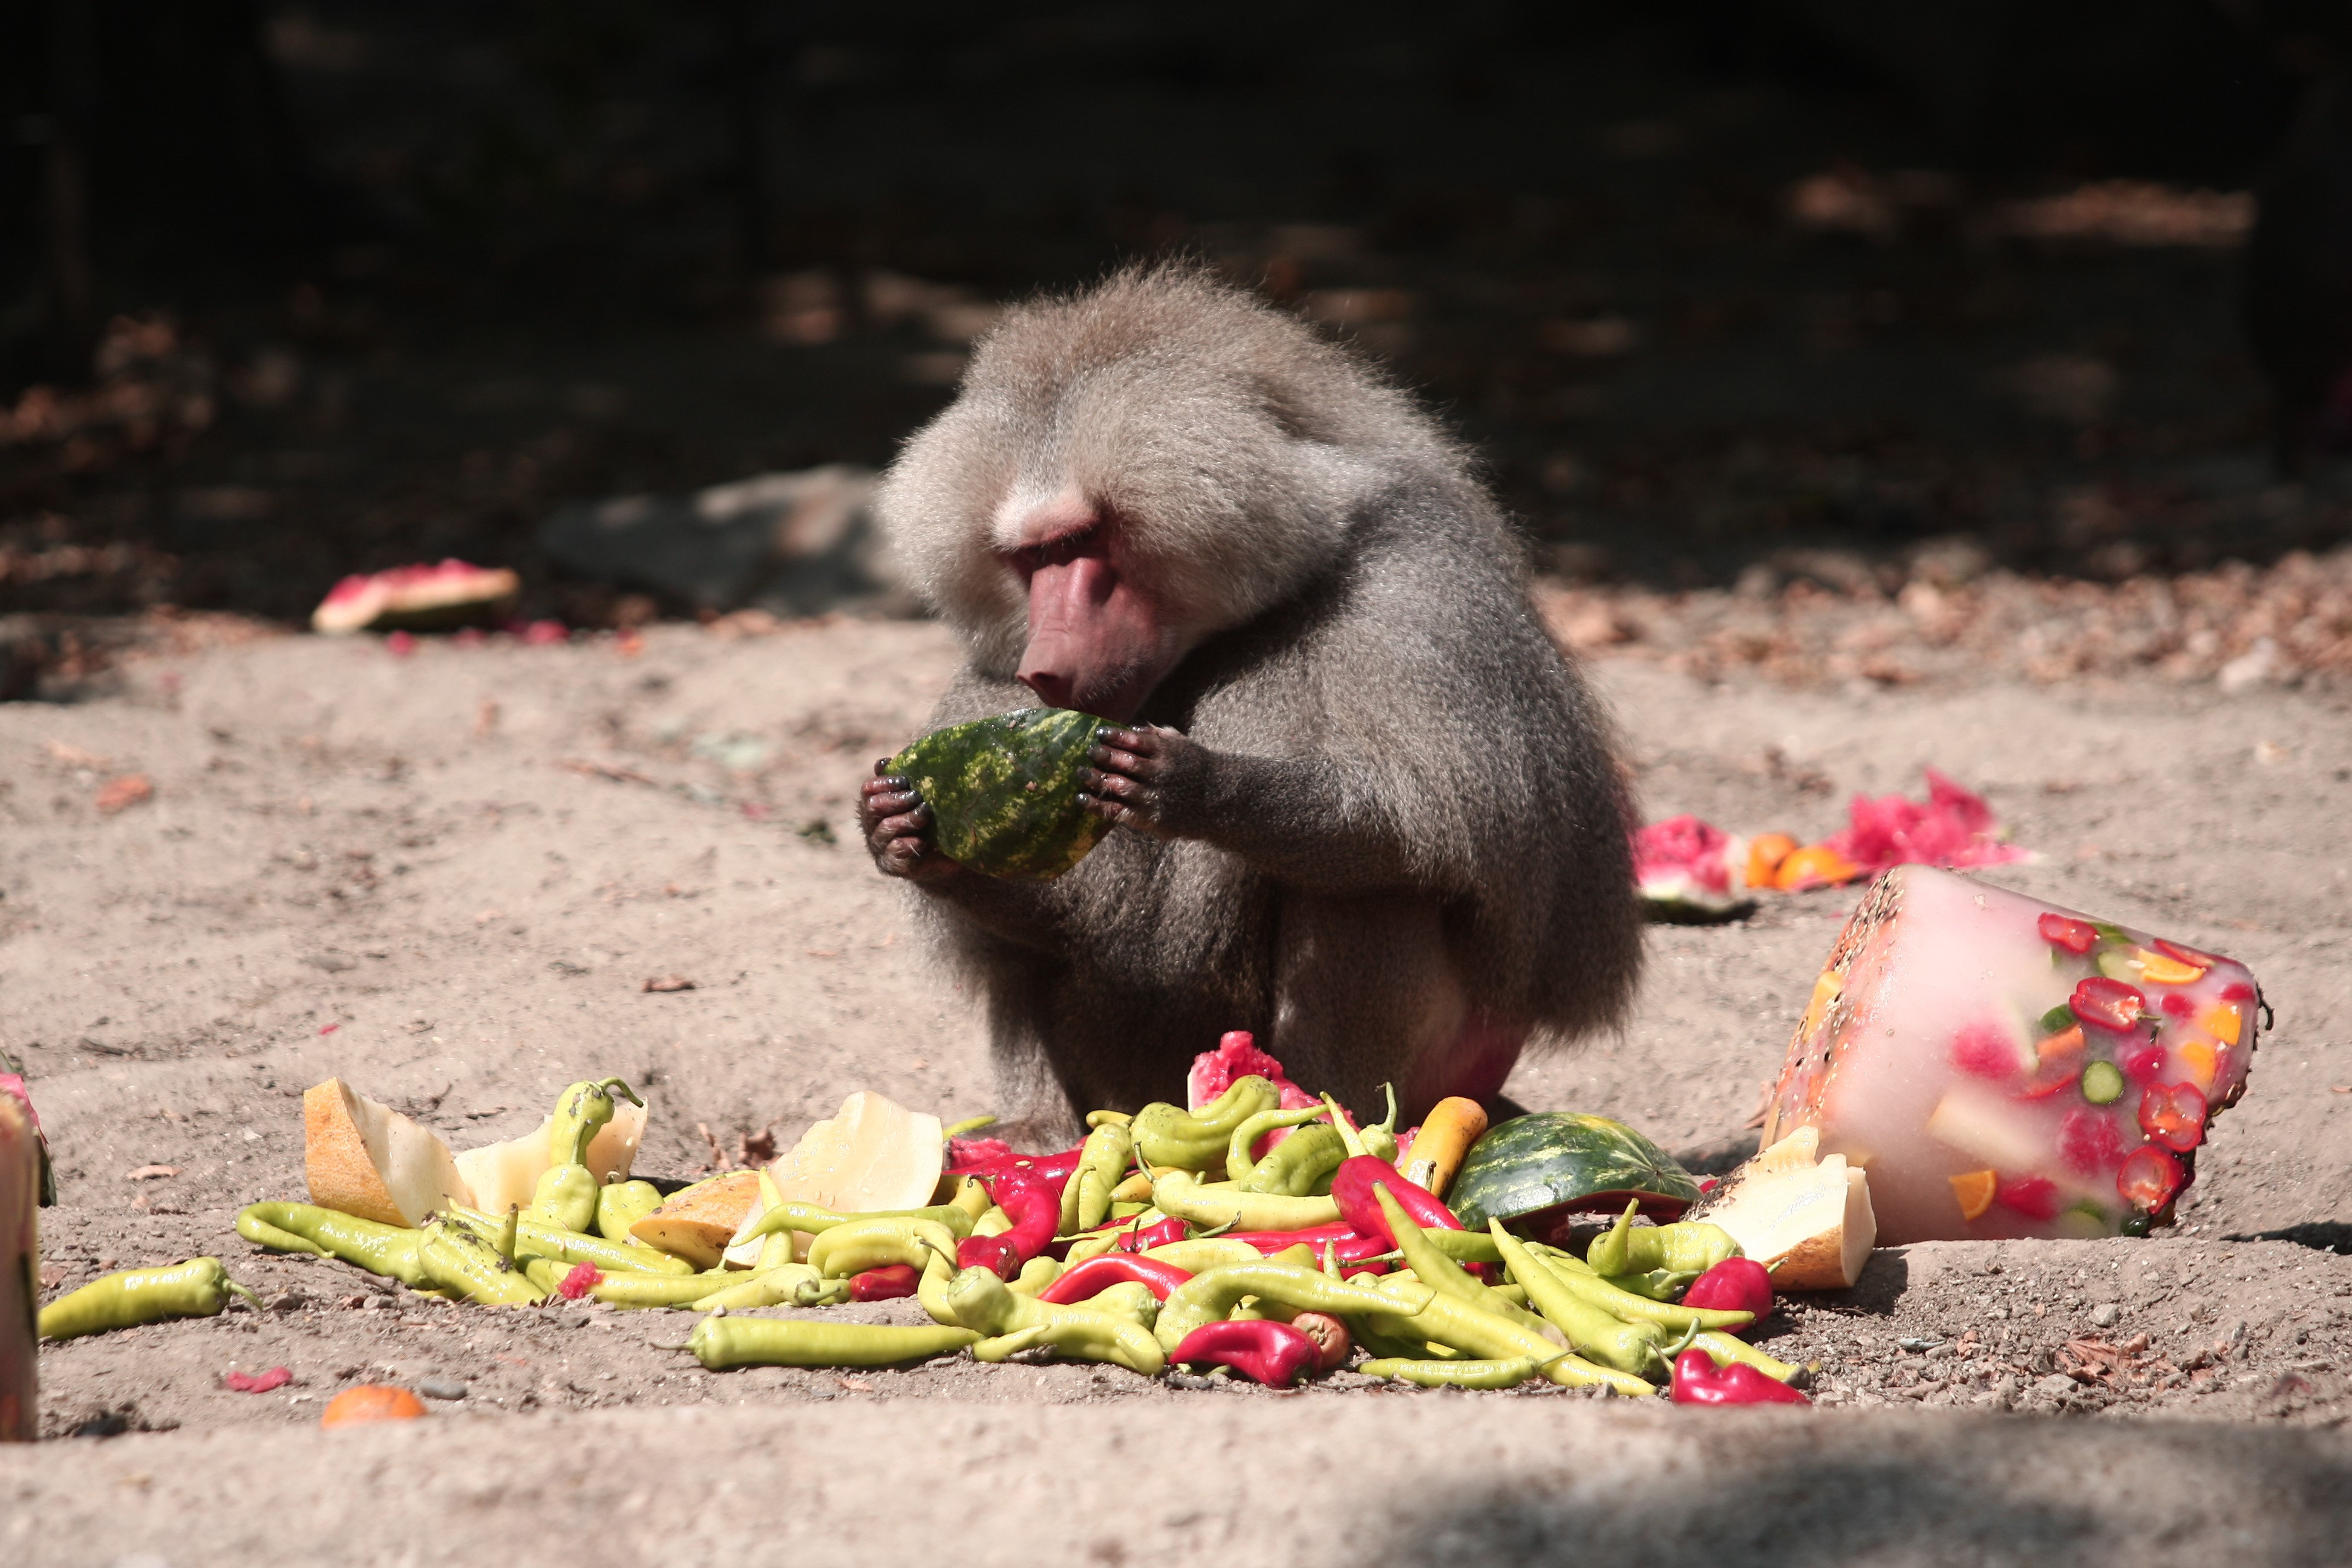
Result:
<point x="2003" y="1067"/>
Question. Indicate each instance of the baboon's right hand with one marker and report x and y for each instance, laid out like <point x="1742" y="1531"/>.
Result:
<point x="898" y="828"/>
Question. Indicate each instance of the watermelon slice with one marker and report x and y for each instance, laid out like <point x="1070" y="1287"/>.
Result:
<point x="1533" y="1171"/>
<point x="1003" y="791"/>
<point x="417" y="598"/>
<point x="1237" y="1055"/>
<point x="1690" y="869"/>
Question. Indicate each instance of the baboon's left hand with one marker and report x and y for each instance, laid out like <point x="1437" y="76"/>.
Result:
<point x="1147" y="778"/>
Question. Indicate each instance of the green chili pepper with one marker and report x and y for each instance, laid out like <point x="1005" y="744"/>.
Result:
<point x="939" y="1272"/>
<point x="1572" y="1272"/>
<point x="1591" y="1330"/>
<point x="1102" y="1165"/>
<point x="460" y="1260"/>
<point x="978" y="1299"/>
<point x="864" y="1244"/>
<point x="1295" y="1166"/>
<point x="972" y="1199"/>
<point x="1507" y="1371"/>
<point x="1725" y="1350"/>
<point x="1081" y="1340"/>
<point x="812" y="1220"/>
<point x="390" y="1250"/>
<point x="1194" y="1141"/>
<point x="1403" y="1347"/>
<point x="788" y="1284"/>
<point x="967" y="1127"/>
<point x="1108" y="1119"/>
<point x="1483" y="1334"/>
<point x="537" y="1238"/>
<point x="1182" y="1194"/>
<point x="1433" y="1268"/>
<point x="1130" y="1299"/>
<point x="721" y="1342"/>
<point x="1658" y="1284"/>
<point x="198" y="1287"/>
<point x="1238" y="1162"/>
<point x="1035" y="1275"/>
<point x="566" y="1195"/>
<point x="1380" y="1138"/>
<point x="638" y="1290"/>
<point x="1686" y="1246"/>
<point x="620" y="1204"/>
<point x="1215" y="1292"/>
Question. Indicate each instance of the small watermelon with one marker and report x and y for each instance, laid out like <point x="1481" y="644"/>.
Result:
<point x="1003" y="791"/>
<point x="1565" y="1160"/>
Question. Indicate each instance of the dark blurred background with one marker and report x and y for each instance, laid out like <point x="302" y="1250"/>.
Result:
<point x="1784" y="286"/>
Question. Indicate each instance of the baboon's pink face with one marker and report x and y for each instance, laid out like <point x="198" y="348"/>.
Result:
<point x="1100" y="637"/>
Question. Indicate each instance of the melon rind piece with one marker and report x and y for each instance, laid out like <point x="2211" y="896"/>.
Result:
<point x="697" y="1223"/>
<point x="1004" y="790"/>
<point x="368" y="1160"/>
<point x="417" y="598"/>
<point x="20" y="1273"/>
<point x="1804" y="1217"/>
<point x="872" y="1153"/>
<point x="506" y="1175"/>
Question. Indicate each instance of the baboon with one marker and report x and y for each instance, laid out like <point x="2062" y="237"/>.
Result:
<point x="1364" y="806"/>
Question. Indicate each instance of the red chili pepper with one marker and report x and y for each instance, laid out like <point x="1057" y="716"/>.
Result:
<point x="1734" y="1285"/>
<point x="886" y="1283"/>
<point x="258" y="1382"/>
<point x="583" y="1277"/>
<point x="2075" y="936"/>
<point x="2110" y="1003"/>
<point x="2186" y="955"/>
<point x="1263" y="1350"/>
<point x="2173" y="1114"/>
<point x="1034" y="1206"/>
<point x="1145" y="1238"/>
<point x="1051" y="1168"/>
<point x="2149" y="1177"/>
<point x="1098" y="1273"/>
<point x="2239" y="991"/>
<point x="1353" y="1184"/>
<point x="1699" y="1381"/>
<point x="2177" y="1006"/>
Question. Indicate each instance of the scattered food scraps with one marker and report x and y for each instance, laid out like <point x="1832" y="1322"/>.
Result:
<point x="668" y="983"/>
<point x="256" y="1383"/>
<point x="151" y="1174"/>
<point x="1691" y="869"/>
<point x="123" y="793"/>
<point x="420" y="598"/>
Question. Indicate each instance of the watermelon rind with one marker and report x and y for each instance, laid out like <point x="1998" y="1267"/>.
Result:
<point x="1553" y="1158"/>
<point x="1004" y="790"/>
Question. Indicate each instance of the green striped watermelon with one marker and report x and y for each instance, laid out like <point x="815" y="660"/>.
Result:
<point x="1567" y="1161"/>
<point x="1003" y="791"/>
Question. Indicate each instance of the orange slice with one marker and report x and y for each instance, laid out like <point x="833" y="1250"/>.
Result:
<point x="1975" y="1192"/>
<point x="2156" y="968"/>
<point x="2222" y="1021"/>
<point x="2196" y="1059"/>
<point x="1815" y="866"/>
<point x="1765" y="852"/>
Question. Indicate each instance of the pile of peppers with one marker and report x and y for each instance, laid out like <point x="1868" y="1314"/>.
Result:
<point x="1172" y="1238"/>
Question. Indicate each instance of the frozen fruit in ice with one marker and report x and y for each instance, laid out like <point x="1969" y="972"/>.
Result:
<point x="1950" y="1035"/>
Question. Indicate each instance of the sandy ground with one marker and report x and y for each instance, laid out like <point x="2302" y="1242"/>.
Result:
<point x="447" y="876"/>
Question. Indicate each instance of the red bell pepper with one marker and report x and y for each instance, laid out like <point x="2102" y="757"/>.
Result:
<point x="2075" y="936"/>
<point x="2173" y="1114"/>
<point x="1699" y="1381"/>
<point x="1352" y="1187"/>
<point x="1263" y="1350"/>
<point x="1734" y="1285"/>
<point x="886" y="1283"/>
<point x="2110" y="1003"/>
<point x="1098" y="1273"/>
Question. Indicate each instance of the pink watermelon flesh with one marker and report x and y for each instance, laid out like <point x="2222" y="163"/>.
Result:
<point x="1954" y="828"/>
<point x="446" y="595"/>
<point x="1686" y="863"/>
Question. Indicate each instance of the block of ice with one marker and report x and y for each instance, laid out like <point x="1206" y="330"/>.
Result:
<point x="2003" y="1067"/>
